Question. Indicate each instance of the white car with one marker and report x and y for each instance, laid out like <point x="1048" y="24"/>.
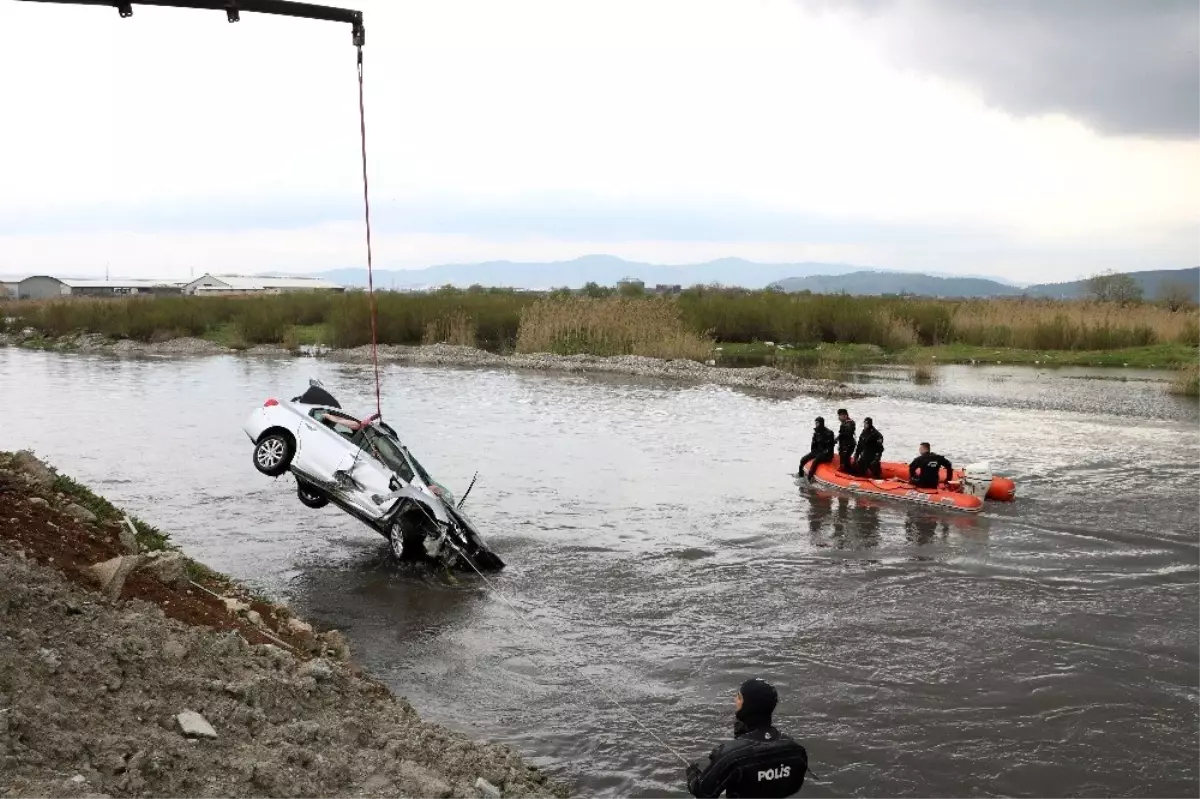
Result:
<point x="364" y="469"/>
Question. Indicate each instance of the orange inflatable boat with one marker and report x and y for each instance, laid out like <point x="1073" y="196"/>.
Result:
<point x="1001" y="489"/>
<point x="949" y="496"/>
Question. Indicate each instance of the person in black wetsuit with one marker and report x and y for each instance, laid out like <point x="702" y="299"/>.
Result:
<point x="759" y="761"/>
<point x="925" y="470"/>
<point x="845" y="441"/>
<point x="822" y="448"/>
<point x="870" y="451"/>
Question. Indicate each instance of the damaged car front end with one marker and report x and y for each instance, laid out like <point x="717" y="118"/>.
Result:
<point x="364" y="469"/>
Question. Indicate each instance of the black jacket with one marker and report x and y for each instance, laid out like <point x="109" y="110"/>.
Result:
<point x="925" y="470"/>
<point x="822" y="440"/>
<point x="870" y="443"/>
<point x="761" y="763"/>
<point x="845" y="436"/>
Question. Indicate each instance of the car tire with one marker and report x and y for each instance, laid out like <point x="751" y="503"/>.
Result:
<point x="406" y="535"/>
<point x="273" y="454"/>
<point x="311" y="496"/>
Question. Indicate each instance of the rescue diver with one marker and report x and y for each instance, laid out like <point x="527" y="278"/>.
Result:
<point x="760" y="760"/>
<point x="845" y="440"/>
<point x="822" y="448"/>
<point x="925" y="470"/>
<point x="870" y="451"/>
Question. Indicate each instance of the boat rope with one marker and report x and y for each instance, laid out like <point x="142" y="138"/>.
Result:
<point x="362" y="127"/>
<point x="553" y="645"/>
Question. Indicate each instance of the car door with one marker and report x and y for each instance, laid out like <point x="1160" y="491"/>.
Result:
<point x="321" y="451"/>
<point x="375" y="480"/>
<point x="380" y="462"/>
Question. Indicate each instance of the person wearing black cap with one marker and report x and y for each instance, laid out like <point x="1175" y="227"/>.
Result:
<point x="822" y="448"/>
<point x="870" y="451"/>
<point x="760" y="760"/>
<point x="845" y="440"/>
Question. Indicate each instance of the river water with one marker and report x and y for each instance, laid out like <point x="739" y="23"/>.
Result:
<point x="659" y="553"/>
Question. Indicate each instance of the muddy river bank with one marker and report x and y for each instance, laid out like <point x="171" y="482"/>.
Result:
<point x="653" y="532"/>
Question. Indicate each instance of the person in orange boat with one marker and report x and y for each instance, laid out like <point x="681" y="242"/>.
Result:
<point x="845" y="441"/>
<point x="925" y="470"/>
<point x="869" y="452"/>
<point x="822" y="448"/>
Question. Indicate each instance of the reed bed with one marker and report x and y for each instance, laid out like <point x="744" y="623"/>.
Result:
<point x="501" y="320"/>
<point x="493" y="315"/>
<point x="1050" y="325"/>
<point x="1187" y="382"/>
<point x="923" y="369"/>
<point x="742" y="316"/>
<point x="455" y="328"/>
<point x="610" y="326"/>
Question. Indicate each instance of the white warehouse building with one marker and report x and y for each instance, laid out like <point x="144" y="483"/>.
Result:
<point x="246" y="284"/>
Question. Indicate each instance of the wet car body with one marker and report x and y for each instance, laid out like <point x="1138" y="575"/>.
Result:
<point x="362" y="468"/>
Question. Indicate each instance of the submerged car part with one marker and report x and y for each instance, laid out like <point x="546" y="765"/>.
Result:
<point x="364" y="469"/>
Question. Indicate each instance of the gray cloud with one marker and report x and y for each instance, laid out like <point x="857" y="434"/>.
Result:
<point x="1125" y="67"/>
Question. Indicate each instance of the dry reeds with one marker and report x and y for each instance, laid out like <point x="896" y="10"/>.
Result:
<point x="454" y="328"/>
<point x="1187" y="382"/>
<point x="1051" y="325"/>
<point x="610" y="326"/>
<point x="923" y="369"/>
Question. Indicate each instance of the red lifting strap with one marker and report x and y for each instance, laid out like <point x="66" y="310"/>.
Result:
<point x="362" y="126"/>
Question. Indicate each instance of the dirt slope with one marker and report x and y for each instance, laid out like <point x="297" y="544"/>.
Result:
<point x="92" y="686"/>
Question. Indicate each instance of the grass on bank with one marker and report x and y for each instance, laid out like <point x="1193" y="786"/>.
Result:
<point x="231" y="335"/>
<point x="849" y="330"/>
<point x="149" y="537"/>
<point x="1154" y="356"/>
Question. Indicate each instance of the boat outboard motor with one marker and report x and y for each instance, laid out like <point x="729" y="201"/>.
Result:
<point x="977" y="479"/>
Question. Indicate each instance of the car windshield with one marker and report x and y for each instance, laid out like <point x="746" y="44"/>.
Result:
<point x="420" y="469"/>
<point x="390" y="453"/>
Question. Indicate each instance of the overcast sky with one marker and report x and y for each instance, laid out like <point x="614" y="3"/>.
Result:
<point x="1031" y="139"/>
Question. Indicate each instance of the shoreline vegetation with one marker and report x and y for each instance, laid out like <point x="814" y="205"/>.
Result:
<point x="130" y="669"/>
<point x="804" y="334"/>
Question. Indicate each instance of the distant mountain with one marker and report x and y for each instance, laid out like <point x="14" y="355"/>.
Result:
<point x="874" y="283"/>
<point x="1152" y="283"/>
<point x="867" y="283"/>
<point x="821" y="278"/>
<point x="603" y="269"/>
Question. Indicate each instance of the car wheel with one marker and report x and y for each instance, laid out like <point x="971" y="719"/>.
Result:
<point x="273" y="454"/>
<point x="310" y="496"/>
<point x="406" y="535"/>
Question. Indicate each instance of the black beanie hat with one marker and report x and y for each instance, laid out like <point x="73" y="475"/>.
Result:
<point x="758" y="698"/>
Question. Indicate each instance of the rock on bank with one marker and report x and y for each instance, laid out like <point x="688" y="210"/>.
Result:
<point x="145" y="694"/>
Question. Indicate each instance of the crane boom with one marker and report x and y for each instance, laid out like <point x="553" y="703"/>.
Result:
<point x="232" y="8"/>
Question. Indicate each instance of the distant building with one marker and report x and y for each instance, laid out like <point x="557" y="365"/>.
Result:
<point x="44" y="287"/>
<point x="245" y="284"/>
<point x="632" y="283"/>
<point x="665" y="288"/>
<point x="9" y="287"/>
